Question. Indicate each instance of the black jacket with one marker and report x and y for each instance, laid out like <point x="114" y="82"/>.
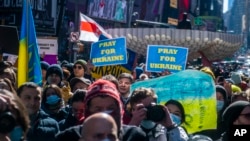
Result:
<point x="128" y="133"/>
<point x="43" y="128"/>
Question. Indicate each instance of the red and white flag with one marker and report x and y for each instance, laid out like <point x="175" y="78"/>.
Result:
<point x="90" y="30"/>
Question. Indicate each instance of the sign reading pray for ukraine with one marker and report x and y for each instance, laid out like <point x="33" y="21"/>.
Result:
<point x="109" y="52"/>
<point x="160" y="58"/>
<point x="195" y="90"/>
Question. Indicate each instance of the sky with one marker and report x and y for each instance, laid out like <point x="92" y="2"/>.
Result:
<point x="225" y="6"/>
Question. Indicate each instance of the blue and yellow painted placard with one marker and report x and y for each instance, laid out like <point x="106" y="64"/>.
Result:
<point x="116" y="70"/>
<point x="109" y="52"/>
<point x="194" y="89"/>
<point x="160" y="58"/>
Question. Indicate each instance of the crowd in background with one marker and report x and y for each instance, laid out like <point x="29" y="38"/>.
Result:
<point x="70" y="105"/>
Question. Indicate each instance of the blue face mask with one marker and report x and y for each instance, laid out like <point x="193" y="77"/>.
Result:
<point x="16" y="134"/>
<point x="219" y="105"/>
<point x="176" y="119"/>
<point x="148" y="124"/>
<point x="53" y="99"/>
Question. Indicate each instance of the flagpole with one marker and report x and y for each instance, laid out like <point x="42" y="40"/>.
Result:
<point x="27" y="39"/>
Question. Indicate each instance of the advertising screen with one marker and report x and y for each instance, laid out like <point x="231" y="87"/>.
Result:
<point x="44" y="13"/>
<point x="114" y="10"/>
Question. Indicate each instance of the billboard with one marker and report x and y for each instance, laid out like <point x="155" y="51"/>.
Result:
<point x="44" y="13"/>
<point x="148" y="10"/>
<point x="114" y="10"/>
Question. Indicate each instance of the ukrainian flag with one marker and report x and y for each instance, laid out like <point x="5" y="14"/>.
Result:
<point x="29" y="69"/>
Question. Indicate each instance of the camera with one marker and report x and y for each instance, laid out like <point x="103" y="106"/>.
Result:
<point x="155" y="113"/>
<point x="7" y="122"/>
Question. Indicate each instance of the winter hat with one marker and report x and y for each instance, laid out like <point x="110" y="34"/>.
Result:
<point x="235" y="88"/>
<point x="74" y="80"/>
<point x="44" y="65"/>
<point x="222" y="90"/>
<point x="54" y="69"/>
<point x="229" y="80"/>
<point x="233" y="111"/>
<point x="102" y="88"/>
<point x="83" y="63"/>
<point x="208" y="71"/>
<point x="64" y="62"/>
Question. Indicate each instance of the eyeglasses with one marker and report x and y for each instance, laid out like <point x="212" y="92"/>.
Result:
<point x="78" y="67"/>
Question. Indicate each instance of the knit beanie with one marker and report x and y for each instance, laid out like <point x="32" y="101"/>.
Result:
<point x="44" y="65"/>
<point x="229" y="80"/>
<point x="83" y="63"/>
<point x="102" y="88"/>
<point x="233" y="111"/>
<point x="54" y="69"/>
<point x="208" y="71"/>
<point x="235" y="89"/>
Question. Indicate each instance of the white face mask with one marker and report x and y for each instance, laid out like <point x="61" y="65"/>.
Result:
<point x="148" y="124"/>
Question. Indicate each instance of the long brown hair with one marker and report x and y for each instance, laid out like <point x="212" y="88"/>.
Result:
<point x="19" y="110"/>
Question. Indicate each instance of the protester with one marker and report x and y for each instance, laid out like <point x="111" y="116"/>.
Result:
<point x="155" y="120"/>
<point x="79" y="69"/>
<point x="112" y="79"/>
<point x="43" y="128"/>
<point x="80" y="66"/>
<point x="7" y="71"/>
<point x="53" y="103"/>
<point x="6" y="84"/>
<point x="103" y="96"/>
<point x="66" y="74"/>
<point x="143" y="76"/>
<point x="14" y="120"/>
<point x="241" y="96"/>
<point x="54" y="75"/>
<point x="237" y="113"/>
<point x="221" y="104"/>
<point x="124" y="82"/>
<point x="99" y="126"/>
<point x="79" y="83"/>
<point x="44" y="67"/>
<point x="177" y="111"/>
<point x="209" y="71"/>
<point x="76" y="114"/>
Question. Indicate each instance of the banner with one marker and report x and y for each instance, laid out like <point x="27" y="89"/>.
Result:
<point x="116" y="70"/>
<point x="46" y="45"/>
<point x="109" y="52"/>
<point x="90" y="30"/>
<point x="29" y="68"/>
<point x="160" y="58"/>
<point x="196" y="92"/>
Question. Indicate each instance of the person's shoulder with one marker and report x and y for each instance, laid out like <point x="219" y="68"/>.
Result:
<point x="72" y="133"/>
<point x="131" y="133"/>
<point x="44" y="117"/>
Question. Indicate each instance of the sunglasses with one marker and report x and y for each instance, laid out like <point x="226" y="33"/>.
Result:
<point x="79" y="67"/>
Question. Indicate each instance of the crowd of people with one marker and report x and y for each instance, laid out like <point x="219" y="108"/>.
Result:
<point x="70" y="105"/>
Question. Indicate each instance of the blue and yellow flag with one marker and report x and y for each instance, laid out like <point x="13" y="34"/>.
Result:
<point x="29" y="69"/>
<point x="194" y="89"/>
